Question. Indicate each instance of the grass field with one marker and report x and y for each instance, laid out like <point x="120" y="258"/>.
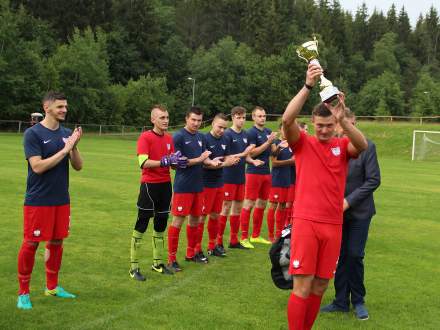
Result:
<point x="402" y="263"/>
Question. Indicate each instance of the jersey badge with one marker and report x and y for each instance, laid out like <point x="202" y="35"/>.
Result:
<point x="37" y="232"/>
<point x="235" y="140"/>
<point x="168" y="146"/>
<point x="336" y="151"/>
<point x="226" y="193"/>
<point x="187" y="142"/>
<point x="47" y="141"/>
<point x="200" y="143"/>
<point x="212" y="147"/>
<point x="245" y="140"/>
<point x="295" y="263"/>
<point x="224" y="146"/>
<point x="179" y="208"/>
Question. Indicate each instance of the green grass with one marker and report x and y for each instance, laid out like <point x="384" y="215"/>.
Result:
<point x="402" y="267"/>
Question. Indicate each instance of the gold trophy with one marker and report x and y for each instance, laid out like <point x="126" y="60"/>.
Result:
<point x="308" y="51"/>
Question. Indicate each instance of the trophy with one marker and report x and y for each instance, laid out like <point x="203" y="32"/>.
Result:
<point x="308" y="51"/>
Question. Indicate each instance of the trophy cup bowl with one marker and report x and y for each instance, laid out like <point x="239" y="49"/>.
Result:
<point x="308" y="51"/>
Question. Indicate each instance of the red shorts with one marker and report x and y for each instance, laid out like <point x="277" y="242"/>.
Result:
<point x="213" y="200"/>
<point x="43" y="223"/>
<point x="233" y="192"/>
<point x="258" y="186"/>
<point x="314" y="248"/>
<point x="187" y="204"/>
<point x="291" y="194"/>
<point x="278" y="194"/>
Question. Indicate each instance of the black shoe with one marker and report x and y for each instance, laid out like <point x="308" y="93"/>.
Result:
<point x="217" y="252"/>
<point x="161" y="269"/>
<point x="201" y="258"/>
<point x="136" y="274"/>
<point x="174" y="266"/>
<point x="237" y="246"/>
<point x="221" y="249"/>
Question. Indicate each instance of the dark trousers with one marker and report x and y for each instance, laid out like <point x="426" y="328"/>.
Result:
<point x="349" y="277"/>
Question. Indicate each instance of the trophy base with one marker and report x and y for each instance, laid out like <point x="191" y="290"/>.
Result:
<point x="329" y="94"/>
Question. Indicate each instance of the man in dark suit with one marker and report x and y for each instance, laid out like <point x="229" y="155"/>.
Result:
<point x="362" y="180"/>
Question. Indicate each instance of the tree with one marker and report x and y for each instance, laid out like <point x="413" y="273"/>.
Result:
<point x="82" y="66"/>
<point x="384" y="56"/>
<point x="425" y="100"/>
<point x="381" y="95"/>
<point x="22" y="66"/>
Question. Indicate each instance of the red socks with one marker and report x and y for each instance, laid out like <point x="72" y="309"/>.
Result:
<point x="271" y="222"/>
<point x="257" y="221"/>
<point x="302" y="312"/>
<point x="191" y="235"/>
<point x="53" y="256"/>
<point x="235" y="227"/>
<point x="212" y="232"/>
<point x="222" y="219"/>
<point x="296" y="312"/>
<point x="313" y="304"/>
<point x="280" y="216"/>
<point x="200" y="230"/>
<point x="26" y="259"/>
<point x="173" y="242"/>
<point x="244" y="222"/>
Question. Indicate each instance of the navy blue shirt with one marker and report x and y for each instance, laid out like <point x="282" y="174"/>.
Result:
<point x="190" y="179"/>
<point x="237" y="143"/>
<point x="213" y="178"/>
<point x="282" y="175"/>
<point x="258" y="137"/>
<point x="51" y="187"/>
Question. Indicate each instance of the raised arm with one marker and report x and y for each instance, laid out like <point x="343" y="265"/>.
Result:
<point x="291" y="129"/>
<point x="358" y="142"/>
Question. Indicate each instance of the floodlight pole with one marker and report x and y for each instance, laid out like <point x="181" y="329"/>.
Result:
<point x="193" y="89"/>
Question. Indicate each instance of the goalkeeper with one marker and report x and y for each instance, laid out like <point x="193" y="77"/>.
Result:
<point x="156" y="155"/>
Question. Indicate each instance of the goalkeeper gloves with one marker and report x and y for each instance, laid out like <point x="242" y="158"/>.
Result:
<point x="175" y="159"/>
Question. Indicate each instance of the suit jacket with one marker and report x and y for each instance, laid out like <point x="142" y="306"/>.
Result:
<point x="362" y="180"/>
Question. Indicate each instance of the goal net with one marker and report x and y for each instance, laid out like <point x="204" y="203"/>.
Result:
<point x="426" y="145"/>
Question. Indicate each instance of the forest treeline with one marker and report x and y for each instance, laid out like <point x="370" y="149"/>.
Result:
<point x="116" y="58"/>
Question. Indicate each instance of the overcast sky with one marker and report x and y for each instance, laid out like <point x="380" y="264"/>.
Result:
<point x="412" y="7"/>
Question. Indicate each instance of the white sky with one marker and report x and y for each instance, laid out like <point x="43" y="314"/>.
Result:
<point x="412" y="7"/>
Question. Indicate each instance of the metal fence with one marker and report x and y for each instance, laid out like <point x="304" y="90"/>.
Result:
<point x="19" y="126"/>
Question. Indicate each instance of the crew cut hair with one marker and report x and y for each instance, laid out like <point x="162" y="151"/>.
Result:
<point x="320" y="110"/>
<point x="195" y="110"/>
<point x="52" y="96"/>
<point x="258" y="108"/>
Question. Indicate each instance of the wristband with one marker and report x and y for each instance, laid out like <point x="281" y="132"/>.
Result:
<point x="308" y="87"/>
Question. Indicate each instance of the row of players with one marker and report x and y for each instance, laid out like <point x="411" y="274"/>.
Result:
<point x="211" y="181"/>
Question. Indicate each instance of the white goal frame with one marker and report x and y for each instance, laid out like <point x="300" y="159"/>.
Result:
<point x="414" y="140"/>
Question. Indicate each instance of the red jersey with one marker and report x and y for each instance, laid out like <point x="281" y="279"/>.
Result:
<point x="155" y="146"/>
<point x="321" y="171"/>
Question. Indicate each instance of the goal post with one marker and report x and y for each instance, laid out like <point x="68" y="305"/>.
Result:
<point x="426" y="145"/>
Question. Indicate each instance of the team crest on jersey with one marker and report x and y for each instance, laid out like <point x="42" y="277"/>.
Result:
<point x="336" y="151"/>
<point x="168" y="146"/>
<point x="226" y="193"/>
<point x="37" y="233"/>
<point x="295" y="263"/>
<point x="224" y="146"/>
<point x="245" y="140"/>
<point x="179" y="208"/>
<point x="200" y="143"/>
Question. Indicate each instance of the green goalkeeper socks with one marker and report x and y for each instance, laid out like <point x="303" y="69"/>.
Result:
<point x="134" y="247"/>
<point x="157" y="242"/>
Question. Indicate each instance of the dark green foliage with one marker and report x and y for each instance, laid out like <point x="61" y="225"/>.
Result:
<point x="109" y="55"/>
